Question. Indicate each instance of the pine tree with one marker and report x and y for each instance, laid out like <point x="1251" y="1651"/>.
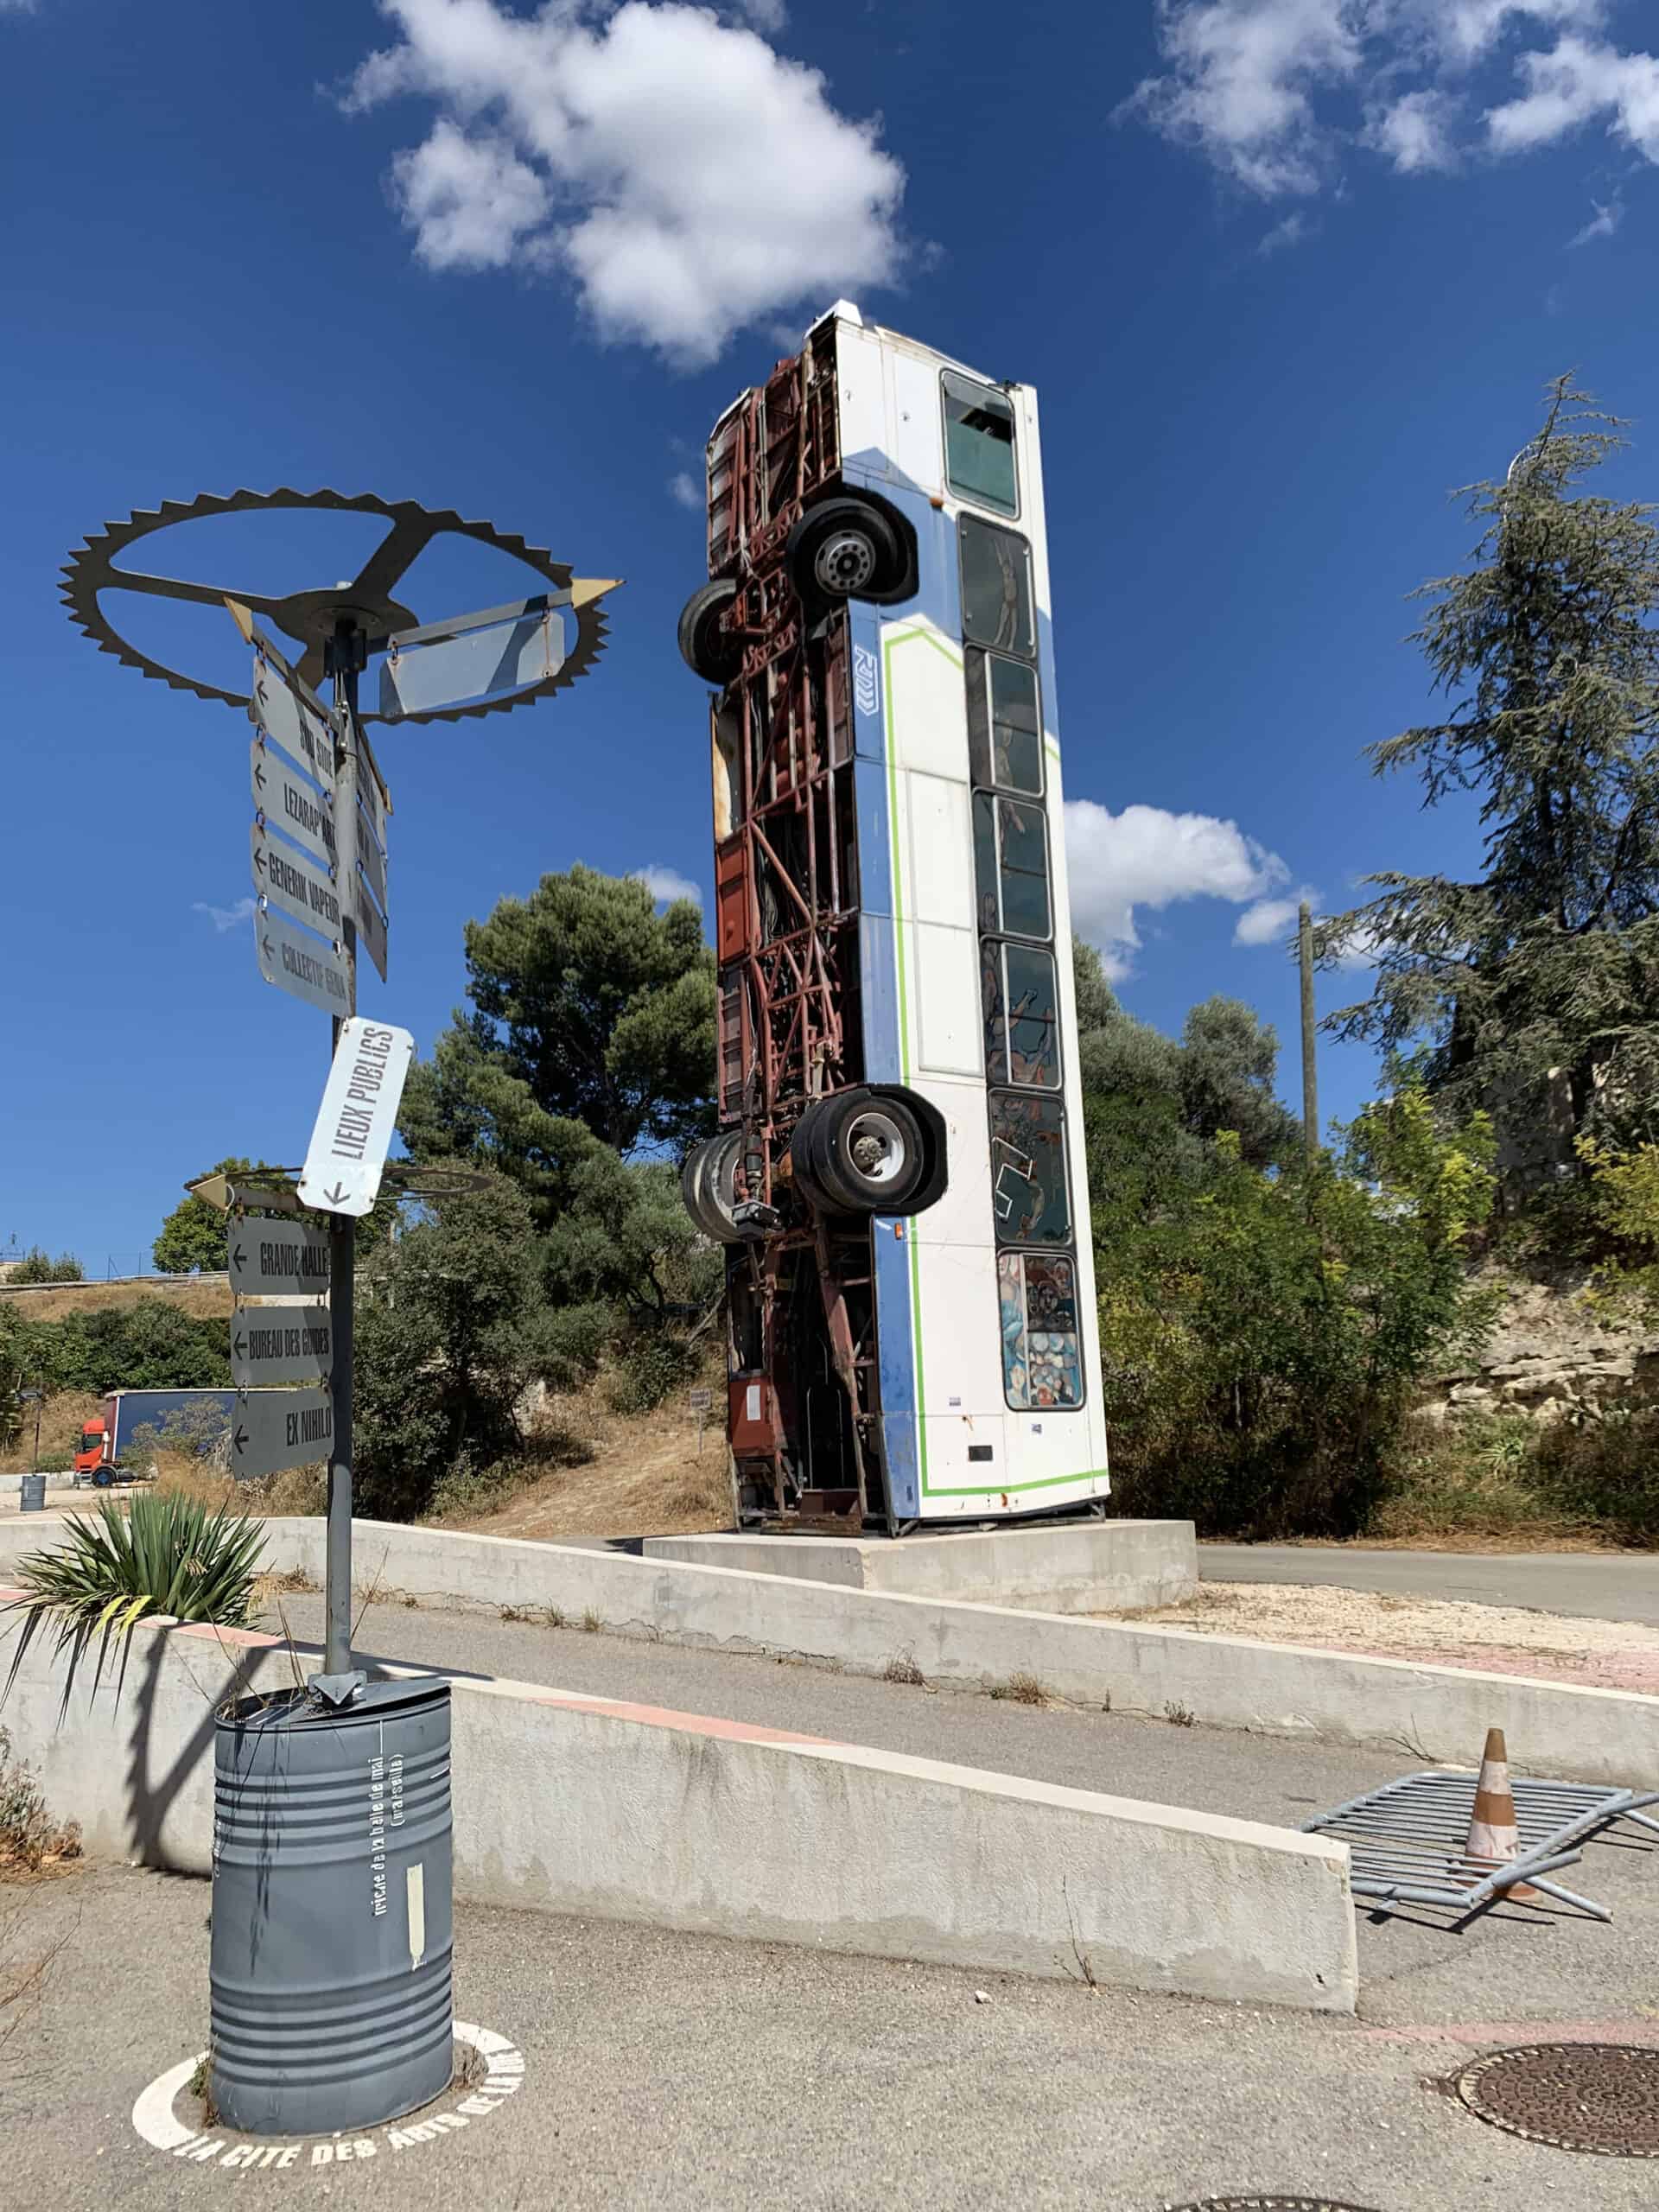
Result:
<point x="1533" y="990"/>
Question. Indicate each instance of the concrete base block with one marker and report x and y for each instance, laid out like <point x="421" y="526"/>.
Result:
<point x="1063" y="1567"/>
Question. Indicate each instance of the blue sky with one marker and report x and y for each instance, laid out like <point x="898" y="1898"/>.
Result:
<point x="1283" y="271"/>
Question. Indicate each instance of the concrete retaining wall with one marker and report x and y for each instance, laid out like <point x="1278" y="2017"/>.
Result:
<point x="587" y="1805"/>
<point x="1428" y="1714"/>
<point x="1067" y="1566"/>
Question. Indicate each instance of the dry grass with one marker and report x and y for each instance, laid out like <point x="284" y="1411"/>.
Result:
<point x="202" y="1301"/>
<point x="296" y="1489"/>
<point x="62" y="1419"/>
<point x="31" y="1841"/>
<point x="1467" y="1480"/>
<point x="1021" y="1688"/>
<point x="644" y="1478"/>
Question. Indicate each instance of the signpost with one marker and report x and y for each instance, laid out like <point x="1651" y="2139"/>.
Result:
<point x="357" y="1118"/>
<point x="293" y="884"/>
<point x="302" y="965"/>
<point x="281" y="1343"/>
<point x="288" y="803"/>
<point x="702" y="1399"/>
<point x="274" y="1429"/>
<point x="277" y="1259"/>
<point x="322" y="807"/>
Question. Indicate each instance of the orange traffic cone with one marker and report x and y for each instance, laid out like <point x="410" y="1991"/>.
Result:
<point x="1494" y="1838"/>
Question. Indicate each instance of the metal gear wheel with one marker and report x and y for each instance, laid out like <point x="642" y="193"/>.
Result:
<point x="309" y="618"/>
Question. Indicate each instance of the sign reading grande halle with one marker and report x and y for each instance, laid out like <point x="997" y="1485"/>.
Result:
<point x="346" y="1156"/>
<point x="273" y="1258"/>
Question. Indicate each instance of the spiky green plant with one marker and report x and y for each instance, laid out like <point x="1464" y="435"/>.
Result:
<point x="167" y="1556"/>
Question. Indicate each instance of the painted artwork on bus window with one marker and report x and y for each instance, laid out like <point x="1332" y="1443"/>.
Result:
<point x="1042" y="1358"/>
<point x="1028" y="1187"/>
<point x="1019" y="1000"/>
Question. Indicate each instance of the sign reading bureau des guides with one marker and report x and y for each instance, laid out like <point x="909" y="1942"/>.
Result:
<point x="355" y="1122"/>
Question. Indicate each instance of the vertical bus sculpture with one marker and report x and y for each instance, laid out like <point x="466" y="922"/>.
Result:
<point x="898" y="1175"/>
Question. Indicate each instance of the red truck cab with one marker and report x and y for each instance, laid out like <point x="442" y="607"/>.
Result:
<point x="92" y="1453"/>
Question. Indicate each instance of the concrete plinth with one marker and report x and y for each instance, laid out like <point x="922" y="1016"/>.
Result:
<point x="1063" y="1567"/>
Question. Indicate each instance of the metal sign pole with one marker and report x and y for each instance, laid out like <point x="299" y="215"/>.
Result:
<point x="337" y="1681"/>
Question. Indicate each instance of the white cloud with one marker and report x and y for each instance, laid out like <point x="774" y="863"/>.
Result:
<point x="1146" y="856"/>
<point x="1576" y="83"/>
<point x="666" y="884"/>
<point x="687" y="177"/>
<point x="1416" y="131"/>
<point x="1273" y="91"/>
<point x="1294" y="229"/>
<point x="684" y="489"/>
<point x="1602" y="224"/>
<point x="764" y="14"/>
<point x="1268" y="921"/>
<point x="226" y="918"/>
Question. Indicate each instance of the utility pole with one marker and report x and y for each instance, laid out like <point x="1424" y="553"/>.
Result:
<point x="1309" y="1076"/>
<point x="346" y="657"/>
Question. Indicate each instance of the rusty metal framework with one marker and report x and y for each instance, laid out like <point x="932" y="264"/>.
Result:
<point x="803" y="1412"/>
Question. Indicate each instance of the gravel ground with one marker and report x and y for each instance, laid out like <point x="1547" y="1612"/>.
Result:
<point x="1446" y="1632"/>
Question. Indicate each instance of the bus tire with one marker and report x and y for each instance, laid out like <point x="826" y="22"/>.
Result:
<point x="707" y="1186"/>
<point x="861" y="1152"/>
<point x="705" y="647"/>
<point x="846" y="549"/>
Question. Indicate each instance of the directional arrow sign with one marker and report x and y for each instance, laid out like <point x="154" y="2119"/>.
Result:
<point x="281" y="1343"/>
<point x="287" y="722"/>
<point x="371" y="860"/>
<point x="302" y="964"/>
<point x="272" y="1429"/>
<point x="289" y="803"/>
<point x="277" y="1259"/>
<point x="359" y="1113"/>
<point x="293" y="884"/>
<point x="370" y="930"/>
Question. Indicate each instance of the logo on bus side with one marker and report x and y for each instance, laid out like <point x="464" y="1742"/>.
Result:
<point x="867" y="683"/>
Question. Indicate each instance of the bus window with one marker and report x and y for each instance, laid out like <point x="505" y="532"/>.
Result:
<point x="979" y="444"/>
<point x="996" y="599"/>
<point x="1028" y="1191"/>
<point x="1005" y="730"/>
<point x="1042" y="1364"/>
<point x="1011" y="864"/>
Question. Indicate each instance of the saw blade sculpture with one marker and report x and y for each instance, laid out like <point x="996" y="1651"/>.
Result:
<point x="311" y="618"/>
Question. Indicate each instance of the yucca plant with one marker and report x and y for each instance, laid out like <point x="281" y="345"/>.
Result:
<point x="166" y="1555"/>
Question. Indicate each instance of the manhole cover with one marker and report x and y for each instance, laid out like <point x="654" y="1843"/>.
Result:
<point x="1579" y="2096"/>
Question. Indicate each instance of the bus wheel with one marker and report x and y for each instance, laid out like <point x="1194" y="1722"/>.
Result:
<point x="707" y="1186"/>
<point x="706" y="649"/>
<point x="845" y="548"/>
<point x="859" y="1153"/>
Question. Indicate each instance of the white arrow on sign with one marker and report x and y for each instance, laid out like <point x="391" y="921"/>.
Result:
<point x="281" y="1343"/>
<point x="287" y="722"/>
<point x="273" y="1429"/>
<point x="302" y="964"/>
<point x="272" y="1258"/>
<point x="288" y="803"/>
<point x="293" y="883"/>
<point x="347" y="1152"/>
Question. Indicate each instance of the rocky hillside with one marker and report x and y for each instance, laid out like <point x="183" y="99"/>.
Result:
<point x="1556" y="1351"/>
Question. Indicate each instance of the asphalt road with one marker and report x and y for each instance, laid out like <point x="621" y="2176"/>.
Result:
<point x="1609" y="1586"/>
<point x="691" y="2072"/>
<point x="1278" y="1779"/>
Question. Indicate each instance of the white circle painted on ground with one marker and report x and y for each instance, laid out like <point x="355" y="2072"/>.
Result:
<point x="157" y="2121"/>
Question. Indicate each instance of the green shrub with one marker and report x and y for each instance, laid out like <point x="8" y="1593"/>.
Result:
<point x="1603" y="1468"/>
<point x="647" y="1368"/>
<point x="163" y="1554"/>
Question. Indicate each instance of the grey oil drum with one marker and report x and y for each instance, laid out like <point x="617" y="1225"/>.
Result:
<point x="31" y="1494"/>
<point x="332" y="1937"/>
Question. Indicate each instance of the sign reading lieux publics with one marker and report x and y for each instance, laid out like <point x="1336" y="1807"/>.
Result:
<point x="346" y="1156"/>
